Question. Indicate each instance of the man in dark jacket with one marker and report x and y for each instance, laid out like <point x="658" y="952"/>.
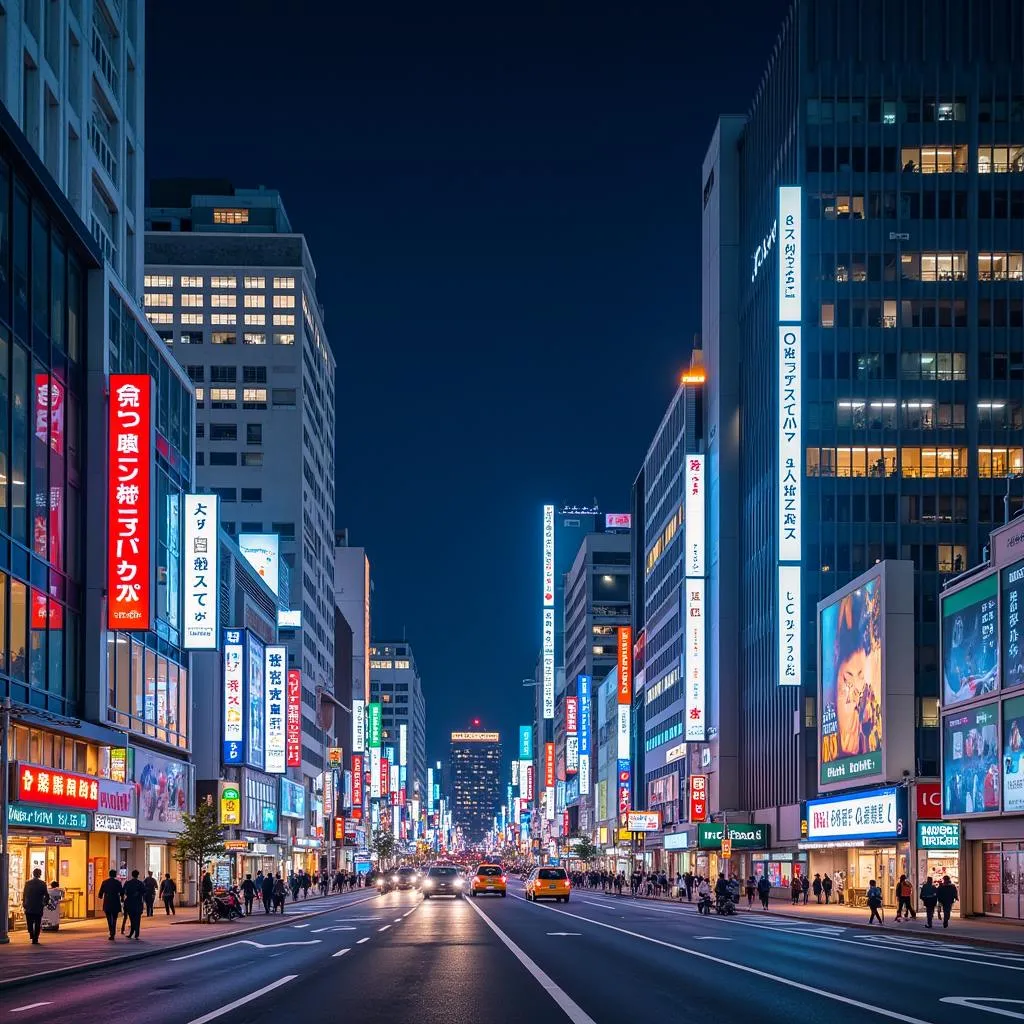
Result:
<point x="929" y="897"/>
<point x="947" y="895"/>
<point x="150" y="885"/>
<point x="267" y="892"/>
<point x="764" y="890"/>
<point x="134" y="900"/>
<point x="34" y="899"/>
<point x="167" y="891"/>
<point x="249" y="892"/>
<point x="111" y="892"/>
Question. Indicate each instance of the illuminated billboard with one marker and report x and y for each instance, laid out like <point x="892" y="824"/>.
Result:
<point x="293" y="720"/>
<point x="694" y="515"/>
<point x="1013" y="755"/>
<point x="526" y="742"/>
<point x="625" y="648"/>
<point x="234" y="696"/>
<point x="200" y="631"/>
<point x="1011" y="651"/>
<point x="866" y="679"/>
<point x="970" y="644"/>
<point x="275" y="669"/>
<point x="790" y="625"/>
<point x="970" y="761"/>
<point x="549" y="556"/>
<point x="358" y="726"/>
<point x="790" y="254"/>
<point x="263" y="552"/>
<point x="548" y="659"/>
<point x="256" y="731"/>
<point x="693" y="660"/>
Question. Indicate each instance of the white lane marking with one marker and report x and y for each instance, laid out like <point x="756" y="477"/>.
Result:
<point x="245" y="942"/>
<point x="306" y="925"/>
<point x="408" y="912"/>
<point x="29" y="1006"/>
<point x="713" y="938"/>
<point x="361" y="941"/>
<point x="572" y="1010"/>
<point x="333" y="928"/>
<point x="880" y="1010"/>
<point x="214" y="1014"/>
<point x="398" y="920"/>
<point x="361" y="920"/>
<point x="384" y="929"/>
<point x="341" y="952"/>
<point x="979" y="1003"/>
<point x="565" y="933"/>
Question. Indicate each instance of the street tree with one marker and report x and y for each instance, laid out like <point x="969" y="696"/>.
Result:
<point x="583" y="849"/>
<point x="384" y="845"/>
<point x="200" y="839"/>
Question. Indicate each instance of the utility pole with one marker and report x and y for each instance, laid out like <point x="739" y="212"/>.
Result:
<point x="5" y="779"/>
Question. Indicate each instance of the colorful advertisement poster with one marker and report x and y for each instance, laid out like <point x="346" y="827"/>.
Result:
<point x="293" y="722"/>
<point x="234" y="699"/>
<point x="255" y="753"/>
<point x="262" y="552"/>
<point x="1012" y="653"/>
<point x="201" y="572"/>
<point x="851" y="701"/>
<point x="970" y="649"/>
<point x="1013" y="755"/>
<point x="274" y="670"/>
<point x="970" y="761"/>
<point x="164" y="789"/>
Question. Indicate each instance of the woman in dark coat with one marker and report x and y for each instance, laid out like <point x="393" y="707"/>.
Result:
<point x="111" y="893"/>
<point x="267" y="892"/>
<point x="134" y="901"/>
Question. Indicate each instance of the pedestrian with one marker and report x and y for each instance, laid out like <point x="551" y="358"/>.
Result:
<point x="110" y="893"/>
<point x="816" y="887"/>
<point x="134" y="902"/>
<point x="929" y="897"/>
<point x="51" y="912"/>
<point x="33" y="900"/>
<point x="840" y="881"/>
<point x="167" y="891"/>
<point x="805" y="887"/>
<point x="794" y="888"/>
<point x="874" y="896"/>
<point x="751" y="888"/>
<point x="703" y="897"/>
<point x="764" y="890"/>
<point x="947" y="895"/>
<point x="305" y="886"/>
<point x="267" y="892"/>
<point x="249" y="892"/>
<point x="826" y="887"/>
<point x="151" y="887"/>
<point x="280" y="893"/>
<point x="206" y="886"/>
<point x="903" y="893"/>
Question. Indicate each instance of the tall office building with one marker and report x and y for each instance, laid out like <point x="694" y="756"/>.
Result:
<point x="395" y="683"/>
<point x="863" y="246"/>
<point x="72" y="76"/>
<point x="596" y="605"/>
<point x="231" y="288"/>
<point x="475" y="777"/>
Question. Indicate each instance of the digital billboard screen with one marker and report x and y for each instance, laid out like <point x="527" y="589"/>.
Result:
<point x="1013" y="755"/>
<point x="1011" y="652"/>
<point x="970" y="761"/>
<point x="851" y="701"/>
<point x="970" y="648"/>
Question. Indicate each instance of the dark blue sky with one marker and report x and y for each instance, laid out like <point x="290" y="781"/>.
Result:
<point x="504" y="212"/>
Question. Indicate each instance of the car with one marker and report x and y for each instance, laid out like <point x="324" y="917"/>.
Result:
<point x="405" y="878"/>
<point x="489" y="878"/>
<point x="443" y="880"/>
<point x="548" y="884"/>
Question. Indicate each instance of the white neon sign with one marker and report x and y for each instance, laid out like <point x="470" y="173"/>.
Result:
<point x="790" y="444"/>
<point x="549" y="662"/>
<point x="694" y="512"/>
<point x="549" y="556"/>
<point x="789" y="625"/>
<point x="696" y="722"/>
<point x="790" y="203"/>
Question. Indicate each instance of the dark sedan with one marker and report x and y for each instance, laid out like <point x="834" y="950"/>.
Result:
<point x="443" y="880"/>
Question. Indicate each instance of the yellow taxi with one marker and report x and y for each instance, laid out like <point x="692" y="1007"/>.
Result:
<point x="548" y="883"/>
<point x="489" y="878"/>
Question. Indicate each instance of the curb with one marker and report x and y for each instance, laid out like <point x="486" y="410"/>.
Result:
<point x="144" y="954"/>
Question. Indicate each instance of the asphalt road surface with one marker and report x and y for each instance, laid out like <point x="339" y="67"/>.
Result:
<point x="600" y="959"/>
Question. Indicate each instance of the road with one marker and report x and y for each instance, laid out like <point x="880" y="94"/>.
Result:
<point x="597" y="959"/>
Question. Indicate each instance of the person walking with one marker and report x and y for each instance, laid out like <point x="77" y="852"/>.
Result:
<point x="903" y="893"/>
<point x="249" y="892"/>
<point x="111" y="892"/>
<point x="267" y="892"/>
<point x="206" y="886"/>
<point x="134" y="902"/>
<point x="805" y="887"/>
<point x="929" y="897"/>
<point x="874" y="897"/>
<point x="150" y="885"/>
<point x="816" y="887"/>
<point x="826" y="887"/>
<point x="33" y="900"/>
<point x="794" y="888"/>
<point x="947" y="895"/>
<point x="751" y="889"/>
<point x="167" y="891"/>
<point x="764" y="890"/>
<point x="305" y="886"/>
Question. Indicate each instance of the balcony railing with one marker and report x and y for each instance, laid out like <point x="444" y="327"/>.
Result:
<point x="100" y="146"/>
<point x="106" y="243"/>
<point x="105" y="62"/>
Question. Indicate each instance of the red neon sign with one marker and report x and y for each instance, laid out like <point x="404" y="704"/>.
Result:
<point x="385" y="776"/>
<point x="357" y="780"/>
<point x="129" y="490"/>
<point x="339" y="830"/>
<point x="56" y="788"/>
<point x="625" y="665"/>
<point x="572" y="714"/>
<point x="549" y="764"/>
<point x="293" y="720"/>
<point x="529" y="782"/>
<point x="698" y="798"/>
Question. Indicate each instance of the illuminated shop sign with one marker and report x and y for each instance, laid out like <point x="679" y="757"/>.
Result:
<point x="742" y="837"/>
<point x="549" y="556"/>
<point x="790" y="625"/>
<point x="790" y="444"/>
<point x="358" y="726"/>
<point x="694" y="661"/>
<point x="790" y="254"/>
<point x="643" y="821"/>
<point x="234" y="699"/>
<point x="548" y="658"/>
<point x="30" y="816"/>
<point x="694" y="513"/>
<point x="293" y="723"/>
<point x="526" y="742"/>
<point x="877" y="814"/>
<point x="764" y="247"/>
<point x="275" y="669"/>
<point x="571" y="714"/>
<point x="55" y="788"/>
<point x="114" y="823"/>
<point x="201" y="575"/>
<point x="938" y="835"/>
<point x="625" y="638"/>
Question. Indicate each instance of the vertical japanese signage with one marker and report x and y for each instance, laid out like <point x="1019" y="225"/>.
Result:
<point x="129" y="519"/>
<point x="549" y="556"/>
<point x="530" y="776"/>
<point x="549" y="764"/>
<point x="583" y="685"/>
<point x="696" y="720"/>
<point x="698" y="798"/>
<point x="1012" y="653"/>
<point x="375" y="753"/>
<point x="234" y="696"/>
<point x="201" y="572"/>
<point x="790" y="437"/>
<point x="403" y="744"/>
<point x="789" y="625"/>
<point x="275" y="667"/>
<point x="256" y="733"/>
<point x="571" y="714"/>
<point x="624" y="788"/>
<point x="358" y="780"/>
<point x="526" y="743"/>
<point x="548" y="660"/>
<point x="625" y="665"/>
<point x="694" y="513"/>
<point x="375" y="725"/>
<point x="359" y="725"/>
<point x="293" y="720"/>
<point x="385" y="775"/>
<point x="572" y="739"/>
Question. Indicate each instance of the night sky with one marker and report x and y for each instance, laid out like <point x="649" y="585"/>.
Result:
<point x="504" y="213"/>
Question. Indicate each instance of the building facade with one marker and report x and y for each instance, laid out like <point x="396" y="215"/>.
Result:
<point x="861" y="327"/>
<point x="231" y="289"/>
<point x="476" y="783"/>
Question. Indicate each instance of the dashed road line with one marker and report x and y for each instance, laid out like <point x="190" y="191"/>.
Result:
<point x="341" y="952"/>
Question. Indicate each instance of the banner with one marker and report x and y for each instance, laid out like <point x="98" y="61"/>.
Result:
<point x="293" y="722"/>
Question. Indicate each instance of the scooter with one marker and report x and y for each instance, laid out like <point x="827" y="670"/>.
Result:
<point x="725" y="905"/>
<point x="225" y="905"/>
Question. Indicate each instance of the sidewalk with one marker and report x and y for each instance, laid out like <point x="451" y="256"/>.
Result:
<point x="985" y="931"/>
<point x="81" y="944"/>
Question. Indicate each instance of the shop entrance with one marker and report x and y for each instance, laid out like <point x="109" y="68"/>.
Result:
<point x="65" y="864"/>
<point x="1004" y="879"/>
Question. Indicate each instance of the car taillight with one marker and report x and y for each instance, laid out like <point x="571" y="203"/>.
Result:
<point x="504" y="879"/>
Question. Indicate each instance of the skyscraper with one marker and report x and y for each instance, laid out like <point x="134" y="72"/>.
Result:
<point x="231" y="288"/>
<point x="474" y="775"/>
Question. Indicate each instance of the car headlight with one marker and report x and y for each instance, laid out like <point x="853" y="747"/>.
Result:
<point x="429" y="883"/>
<point x="394" y="878"/>
<point x="459" y="883"/>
